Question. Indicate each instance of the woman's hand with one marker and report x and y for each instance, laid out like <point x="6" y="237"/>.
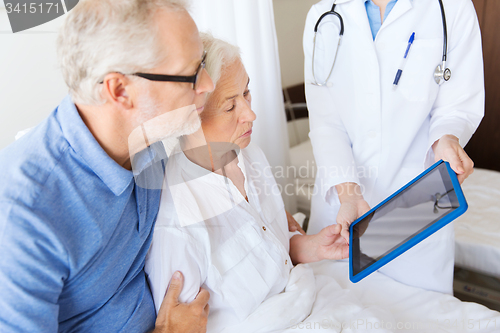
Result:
<point x="293" y="225"/>
<point x="327" y="244"/>
<point x="330" y="244"/>
<point x="448" y="149"/>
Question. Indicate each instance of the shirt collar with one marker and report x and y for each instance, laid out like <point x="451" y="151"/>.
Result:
<point x="116" y="178"/>
<point x="146" y="158"/>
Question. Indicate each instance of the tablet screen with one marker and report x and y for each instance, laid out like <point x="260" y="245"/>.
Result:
<point x="402" y="217"/>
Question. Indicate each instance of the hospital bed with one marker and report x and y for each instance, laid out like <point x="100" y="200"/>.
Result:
<point x="477" y="241"/>
<point x="477" y="232"/>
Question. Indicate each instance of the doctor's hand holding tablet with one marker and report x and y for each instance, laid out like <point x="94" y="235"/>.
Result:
<point x="392" y="86"/>
<point x="353" y="205"/>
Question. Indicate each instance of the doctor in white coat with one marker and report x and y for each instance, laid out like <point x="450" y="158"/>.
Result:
<point x="370" y="137"/>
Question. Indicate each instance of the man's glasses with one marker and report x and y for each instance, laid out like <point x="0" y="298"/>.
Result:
<point x="194" y="79"/>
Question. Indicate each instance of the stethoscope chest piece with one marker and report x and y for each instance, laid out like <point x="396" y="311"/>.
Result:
<point x="442" y="73"/>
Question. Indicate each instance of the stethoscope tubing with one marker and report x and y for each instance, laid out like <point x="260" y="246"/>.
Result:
<point x="445" y="31"/>
<point x="341" y="33"/>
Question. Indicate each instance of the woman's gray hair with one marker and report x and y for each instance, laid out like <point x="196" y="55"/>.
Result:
<point x="220" y="54"/>
<point x="104" y="36"/>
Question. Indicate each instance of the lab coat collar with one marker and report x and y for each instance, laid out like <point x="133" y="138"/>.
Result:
<point x="407" y="2"/>
<point x="356" y="6"/>
<point x="400" y="8"/>
<point x="338" y="2"/>
<point x="350" y="10"/>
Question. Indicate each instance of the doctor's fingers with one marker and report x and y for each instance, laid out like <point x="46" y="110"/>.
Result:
<point x="452" y="155"/>
<point x="459" y="161"/>
<point x="468" y="166"/>
<point x="345" y="231"/>
<point x="348" y="212"/>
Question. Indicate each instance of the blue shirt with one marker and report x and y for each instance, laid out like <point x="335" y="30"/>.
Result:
<point x="74" y="232"/>
<point x="373" y="12"/>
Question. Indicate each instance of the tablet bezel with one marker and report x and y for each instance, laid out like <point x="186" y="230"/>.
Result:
<point x="462" y="208"/>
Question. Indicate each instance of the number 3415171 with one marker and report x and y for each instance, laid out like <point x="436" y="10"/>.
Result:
<point x="32" y="8"/>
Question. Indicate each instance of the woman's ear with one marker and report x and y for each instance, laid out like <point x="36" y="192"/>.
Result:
<point x="114" y="90"/>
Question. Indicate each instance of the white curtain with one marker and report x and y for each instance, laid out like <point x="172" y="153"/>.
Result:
<point x="249" y="24"/>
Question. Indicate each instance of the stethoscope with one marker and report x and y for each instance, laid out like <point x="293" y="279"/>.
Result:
<point x="441" y="73"/>
<point x="438" y="197"/>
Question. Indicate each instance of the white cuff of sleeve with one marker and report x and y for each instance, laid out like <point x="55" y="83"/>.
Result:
<point x="430" y="158"/>
<point x="332" y="197"/>
<point x="435" y="135"/>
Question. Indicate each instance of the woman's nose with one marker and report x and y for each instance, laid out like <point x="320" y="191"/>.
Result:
<point x="247" y="115"/>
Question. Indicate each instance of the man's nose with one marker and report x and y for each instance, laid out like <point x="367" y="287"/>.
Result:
<point x="206" y="84"/>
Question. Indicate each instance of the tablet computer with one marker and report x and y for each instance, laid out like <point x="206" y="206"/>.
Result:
<point x="416" y="211"/>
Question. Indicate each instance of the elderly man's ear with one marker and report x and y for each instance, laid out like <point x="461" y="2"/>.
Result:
<point x="117" y="90"/>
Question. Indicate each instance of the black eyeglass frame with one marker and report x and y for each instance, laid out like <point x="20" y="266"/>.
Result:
<point x="176" y="78"/>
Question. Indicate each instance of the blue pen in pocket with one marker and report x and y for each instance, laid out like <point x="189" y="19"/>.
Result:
<point x="403" y="62"/>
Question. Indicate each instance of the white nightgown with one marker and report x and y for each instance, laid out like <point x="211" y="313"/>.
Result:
<point x="237" y="250"/>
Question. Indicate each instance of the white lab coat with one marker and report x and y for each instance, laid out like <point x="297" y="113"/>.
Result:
<point x="365" y="131"/>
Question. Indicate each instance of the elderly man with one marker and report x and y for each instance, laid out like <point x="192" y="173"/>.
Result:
<point x="74" y="225"/>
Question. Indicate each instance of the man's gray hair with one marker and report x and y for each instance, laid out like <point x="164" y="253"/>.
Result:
<point x="105" y="36"/>
<point x="220" y="54"/>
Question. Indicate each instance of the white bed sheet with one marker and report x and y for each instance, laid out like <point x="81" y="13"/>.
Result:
<point x="477" y="232"/>
<point x="320" y="298"/>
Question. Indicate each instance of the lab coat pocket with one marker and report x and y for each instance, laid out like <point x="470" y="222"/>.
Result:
<point x="417" y="81"/>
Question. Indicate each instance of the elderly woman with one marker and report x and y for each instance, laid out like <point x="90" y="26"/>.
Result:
<point x="222" y="222"/>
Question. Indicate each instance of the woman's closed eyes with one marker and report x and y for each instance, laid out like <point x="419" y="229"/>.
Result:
<point x="246" y="95"/>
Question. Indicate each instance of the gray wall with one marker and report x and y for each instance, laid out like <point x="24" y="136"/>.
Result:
<point x="31" y="85"/>
<point x="290" y="18"/>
